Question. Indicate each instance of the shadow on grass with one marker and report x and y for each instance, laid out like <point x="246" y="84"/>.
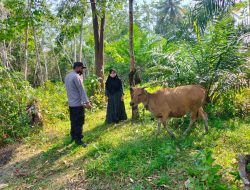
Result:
<point x="146" y="156"/>
<point x="95" y="133"/>
<point x="140" y="157"/>
<point x="6" y="153"/>
<point x="41" y="168"/>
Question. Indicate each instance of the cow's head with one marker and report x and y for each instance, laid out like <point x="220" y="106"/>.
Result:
<point x="138" y="95"/>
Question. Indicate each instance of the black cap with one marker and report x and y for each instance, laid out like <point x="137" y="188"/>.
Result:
<point x="79" y="64"/>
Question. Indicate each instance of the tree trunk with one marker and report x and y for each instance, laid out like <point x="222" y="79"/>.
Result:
<point x="4" y="55"/>
<point x="243" y="161"/>
<point x="45" y="62"/>
<point x="38" y="77"/>
<point x="100" y="70"/>
<point x="57" y="63"/>
<point x="9" y="52"/>
<point x="132" y="82"/>
<point x="65" y="53"/>
<point x="59" y="71"/>
<point x="81" y="39"/>
<point x="26" y="42"/>
<point x="26" y="54"/>
<point x="74" y="48"/>
<point x="99" y="41"/>
<point x="46" y="67"/>
<point x="131" y="37"/>
<point x="248" y="12"/>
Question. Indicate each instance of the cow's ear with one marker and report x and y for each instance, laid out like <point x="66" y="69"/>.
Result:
<point x="131" y="89"/>
<point x="144" y="87"/>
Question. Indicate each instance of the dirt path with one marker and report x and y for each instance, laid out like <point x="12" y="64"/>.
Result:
<point x="6" y="153"/>
<point x="5" y="157"/>
<point x="22" y="167"/>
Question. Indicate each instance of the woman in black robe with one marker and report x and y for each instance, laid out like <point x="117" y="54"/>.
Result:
<point x="114" y="93"/>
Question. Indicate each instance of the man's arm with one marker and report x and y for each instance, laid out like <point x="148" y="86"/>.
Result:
<point x="83" y="95"/>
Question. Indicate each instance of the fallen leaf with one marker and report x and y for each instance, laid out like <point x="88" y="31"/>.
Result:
<point x="3" y="185"/>
<point x="186" y="183"/>
<point x="165" y="186"/>
<point x="131" y="180"/>
<point x="177" y="149"/>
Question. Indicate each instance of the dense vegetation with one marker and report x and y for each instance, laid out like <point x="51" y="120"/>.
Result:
<point x="175" y="43"/>
<point x="127" y="155"/>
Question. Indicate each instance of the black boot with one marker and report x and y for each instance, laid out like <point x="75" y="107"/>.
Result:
<point x="81" y="143"/>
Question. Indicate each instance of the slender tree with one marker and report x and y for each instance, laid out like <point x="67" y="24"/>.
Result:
<point x="81" y="38"/>
<point x="99" y="42"/>
<point x="132" y="74"/>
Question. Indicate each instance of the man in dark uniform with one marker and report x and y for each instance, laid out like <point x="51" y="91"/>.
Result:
<point x="77" y="101"/>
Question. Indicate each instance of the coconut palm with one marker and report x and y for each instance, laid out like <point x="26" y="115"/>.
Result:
<point x="208" y="10"/>
<point x="168" y="17"/>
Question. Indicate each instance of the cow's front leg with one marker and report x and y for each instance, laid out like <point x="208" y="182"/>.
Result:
<point x="168" y="130"/>
<point x="159" y="127"/>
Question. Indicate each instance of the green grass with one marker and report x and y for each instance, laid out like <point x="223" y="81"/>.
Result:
<point x="128" y="155"/>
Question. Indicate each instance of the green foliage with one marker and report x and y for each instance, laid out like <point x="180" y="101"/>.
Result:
<point x="53" y="96"/>
<point x="95" y="94"/>
<point x="154" y="155"/>
<point x="205" y="11"/>
<point x="9" y="28"/>
<point x="242" y="102"/>
<point x="169" y="19"/>
<point x="128" y="155"/>
<point x="147" y="47"/>
<point x="248" y="167"/>
<point x="92" y="85"/>
<point x="206" y="174"/>
<point x="214" y="61"/>
<point x="15" y="95"/>
<point x="230" y="104"/>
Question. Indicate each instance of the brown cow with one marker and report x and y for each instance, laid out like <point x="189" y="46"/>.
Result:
<point x="173" y="102"/>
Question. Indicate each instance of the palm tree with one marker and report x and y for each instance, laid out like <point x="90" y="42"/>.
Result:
<point x="170" y="9"/>
<point x="208" y="10"/>
<point x="169" y="17"/>
<point x="132" y="74"/>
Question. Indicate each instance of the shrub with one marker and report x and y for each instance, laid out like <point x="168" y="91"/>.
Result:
<point x="14" y="97"/>
<point x="231" y="104"/>
<point x="95" y="94"/>
<point x="205" y="174"/>
<point x="53" y="101"/>
<point x="92" y="85"/>
<point x="242" y="102"/>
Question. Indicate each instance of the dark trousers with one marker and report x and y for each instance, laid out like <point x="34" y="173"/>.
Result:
<point x="76" y="120"/>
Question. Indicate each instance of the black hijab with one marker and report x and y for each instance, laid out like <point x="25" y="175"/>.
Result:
<point x="113" y="84"/>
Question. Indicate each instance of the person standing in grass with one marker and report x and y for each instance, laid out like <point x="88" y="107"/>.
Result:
<point x="77" y="101"/>
<point x="115" y="97"/>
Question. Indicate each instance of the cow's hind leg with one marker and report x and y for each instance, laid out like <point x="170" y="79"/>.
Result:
<point x="168" y="130"/>
<point x="203" y="115"/>
<point x="193" y="118"/>
<point x="159" y="127"/>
